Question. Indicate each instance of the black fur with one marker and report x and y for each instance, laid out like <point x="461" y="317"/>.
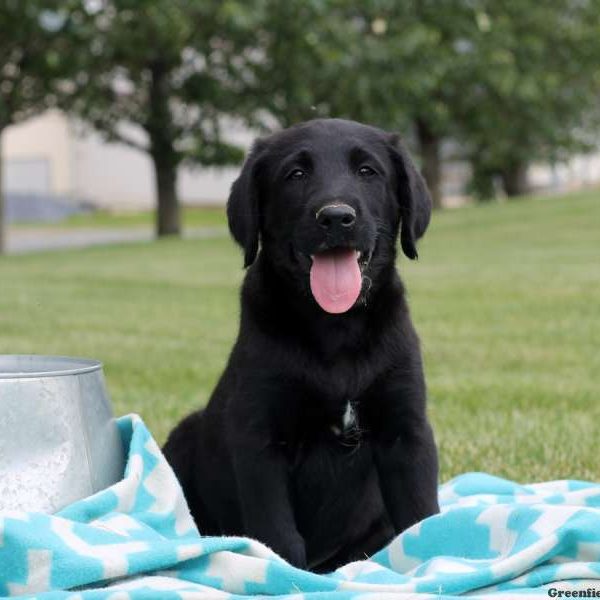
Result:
<point x="269" y="458"/>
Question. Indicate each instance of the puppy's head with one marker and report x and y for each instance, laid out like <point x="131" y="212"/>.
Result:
<point x="325" y="201"/>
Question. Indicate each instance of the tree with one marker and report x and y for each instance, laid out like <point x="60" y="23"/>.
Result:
<point x="159" y="76"/>
<point x="536" y="90"/>
<point x="378" y="62"/>
<point x="34" y="53"/>
<point x="508" y="82"/>
<point x="293" y="55"/>
<point x="512" y="82"/>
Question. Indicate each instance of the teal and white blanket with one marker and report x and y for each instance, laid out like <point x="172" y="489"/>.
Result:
<point x="136" y="540"/>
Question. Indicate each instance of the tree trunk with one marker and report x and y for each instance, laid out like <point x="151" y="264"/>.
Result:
<point x="482" y="184"/>
<point x="514" y="179"/>
<point x="2" y="232"/>
<point x="430" y="151"/>
<point x="160" y="130"/>
<point x="168" y="214"/>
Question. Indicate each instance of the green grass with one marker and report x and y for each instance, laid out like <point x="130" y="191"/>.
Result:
<point x="191" y="217"/>
<point x="506" y="299"/>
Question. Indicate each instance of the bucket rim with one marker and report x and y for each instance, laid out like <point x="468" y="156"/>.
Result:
<point x="34" y="366"/>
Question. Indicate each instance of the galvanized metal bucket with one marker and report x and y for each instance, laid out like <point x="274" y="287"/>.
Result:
<point x="59" y="441"/>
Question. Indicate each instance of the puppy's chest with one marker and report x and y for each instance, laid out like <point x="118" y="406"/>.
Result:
<point x="334" y="404"/>
<point x="340" y="423"/>
<point x="346" y="424"/>
<point x="328" y="442"/>
<point x="332" y="398"/>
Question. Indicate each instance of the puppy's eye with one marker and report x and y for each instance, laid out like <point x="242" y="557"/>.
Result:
<point x="296" y="175"/>
<point x="366" y="171"/>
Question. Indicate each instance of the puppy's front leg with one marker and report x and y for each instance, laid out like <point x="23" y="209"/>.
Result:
<point x="262" y="477"/>
<point x="406" y="458"/>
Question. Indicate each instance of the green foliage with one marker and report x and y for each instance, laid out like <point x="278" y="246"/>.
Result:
<point x="34" y="57"/>
<point x="536" y="85"/>
<point x="512" y="82"/>
<point x="165" y="68"/>
<point x="317" y="59"/>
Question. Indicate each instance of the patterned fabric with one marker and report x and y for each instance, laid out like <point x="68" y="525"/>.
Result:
<point x="136" y="541"/>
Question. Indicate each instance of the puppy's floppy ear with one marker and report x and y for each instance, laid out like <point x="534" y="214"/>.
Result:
<point x="413" y="197"/>
<point x="243" y="206"/>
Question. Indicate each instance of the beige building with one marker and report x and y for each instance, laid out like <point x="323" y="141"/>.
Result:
<point x="51" y="155"/>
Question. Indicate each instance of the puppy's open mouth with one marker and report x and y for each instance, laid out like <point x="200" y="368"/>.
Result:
<point x="336" y="278"/>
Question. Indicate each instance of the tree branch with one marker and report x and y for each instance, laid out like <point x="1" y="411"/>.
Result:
<point x="114" y="136"/>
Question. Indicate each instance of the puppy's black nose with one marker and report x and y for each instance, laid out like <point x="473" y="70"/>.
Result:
<point x="335" y="216"/>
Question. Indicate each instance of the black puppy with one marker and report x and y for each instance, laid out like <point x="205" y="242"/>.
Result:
<point x="316" y="440"/>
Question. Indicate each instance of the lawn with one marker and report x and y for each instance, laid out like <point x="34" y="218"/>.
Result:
<point x="191" y="216"/>
<point x="506" y="299"/>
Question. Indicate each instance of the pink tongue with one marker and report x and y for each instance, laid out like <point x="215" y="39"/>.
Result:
<point x="335" y="280"/>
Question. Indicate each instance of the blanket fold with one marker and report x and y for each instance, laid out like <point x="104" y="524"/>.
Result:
<point x="136" y="540"/>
